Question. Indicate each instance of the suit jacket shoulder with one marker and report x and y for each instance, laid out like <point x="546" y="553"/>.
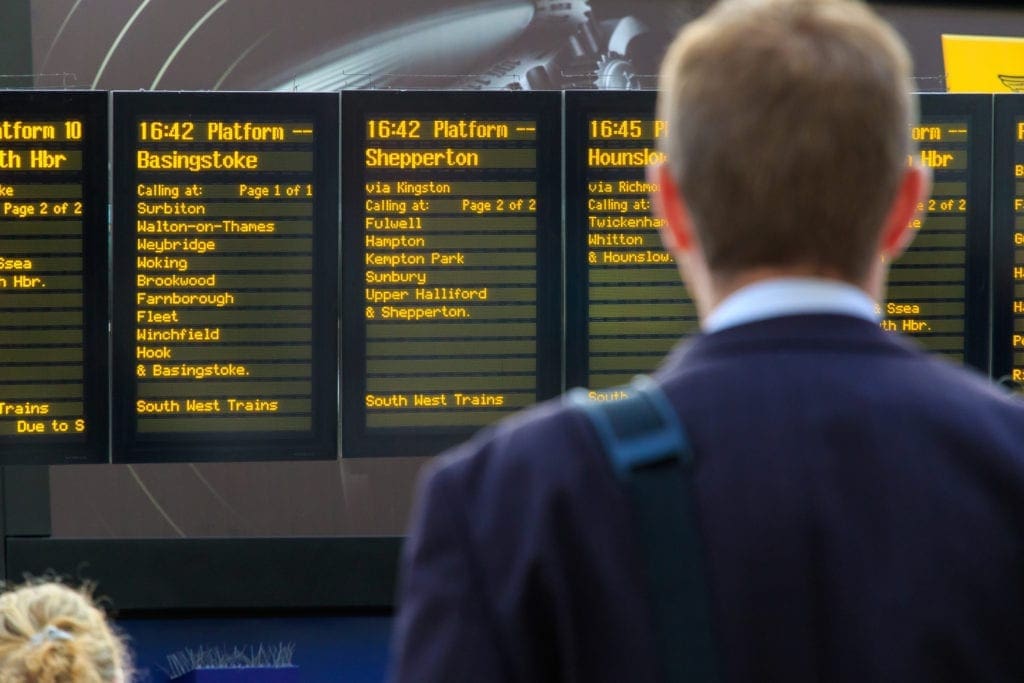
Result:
<point x="544" y="532"/>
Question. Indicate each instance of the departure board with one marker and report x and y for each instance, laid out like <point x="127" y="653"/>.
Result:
<point x="938" y="290"/>
<point x="1008" y="242"/>
<point x="225" y="297"/>
<point x="53" y="278"/>
<point x="451" y="248"/>
<point x="626" y="305"/>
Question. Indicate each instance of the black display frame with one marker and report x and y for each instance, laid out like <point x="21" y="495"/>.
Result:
<point x="321" y="441"/>
<point x="546" y="108"/>
<point x="977" y="300"/>
<point x="92" y="107"/>
<point x="579" y="107"/>
<point x="1006" y="109"/>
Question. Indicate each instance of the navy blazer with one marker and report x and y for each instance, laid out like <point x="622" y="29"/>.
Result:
<point x="862" y="505"/>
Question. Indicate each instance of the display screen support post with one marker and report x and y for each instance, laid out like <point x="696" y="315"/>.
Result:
<point x="24" y="507"/>
<point x="16" y="44"/>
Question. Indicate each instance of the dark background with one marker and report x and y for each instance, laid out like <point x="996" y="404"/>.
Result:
<point x="331" y="45"/>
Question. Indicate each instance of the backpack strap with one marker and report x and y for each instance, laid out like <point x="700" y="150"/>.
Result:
<point x="647" y="447"/>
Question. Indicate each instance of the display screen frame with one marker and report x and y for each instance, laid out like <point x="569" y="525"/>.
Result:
<point x="977" y="109"/>
<point x="1006" y="109"/>
<point x="318" y="443"/>
<point x="47" y="449"/>
<point x="580" y="106"/>
<point x="546" y="108"/>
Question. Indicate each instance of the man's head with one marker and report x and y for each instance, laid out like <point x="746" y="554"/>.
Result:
<point x="788" y="139"/>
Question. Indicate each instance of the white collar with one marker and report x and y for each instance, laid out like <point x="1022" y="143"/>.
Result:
<point x="790" y="296"/>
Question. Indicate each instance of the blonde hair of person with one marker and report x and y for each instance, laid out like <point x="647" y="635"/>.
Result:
<point x="50" y="633"/>
<point x="788" y="131"/>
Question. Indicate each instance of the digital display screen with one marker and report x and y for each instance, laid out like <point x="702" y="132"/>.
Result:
<point x="451" y="245"/>
<point x="1008" y="242"/>
<point x="626" y="304"/>
<point x="938" y="290"/>
<point x="225" y="298"/>
<point x="53" y="277"/>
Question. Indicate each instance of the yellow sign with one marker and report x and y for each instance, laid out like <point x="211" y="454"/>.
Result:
<point x="983" y="63"/>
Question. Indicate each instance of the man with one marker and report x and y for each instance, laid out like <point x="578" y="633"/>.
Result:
<point x="861" y="503"/>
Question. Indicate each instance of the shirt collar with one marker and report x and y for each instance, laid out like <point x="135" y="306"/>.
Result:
<point x="790" y="296"/>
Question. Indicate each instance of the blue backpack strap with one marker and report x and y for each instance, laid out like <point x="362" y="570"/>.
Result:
<point x="651" y="455"/>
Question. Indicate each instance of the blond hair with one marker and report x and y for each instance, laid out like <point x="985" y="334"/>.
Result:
<point x="788" y="131"/>
<point x="50" y="633"/>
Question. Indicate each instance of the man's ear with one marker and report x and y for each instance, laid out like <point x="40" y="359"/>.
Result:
<point x="677" y="231"/>
<point x="914" y="190"/>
